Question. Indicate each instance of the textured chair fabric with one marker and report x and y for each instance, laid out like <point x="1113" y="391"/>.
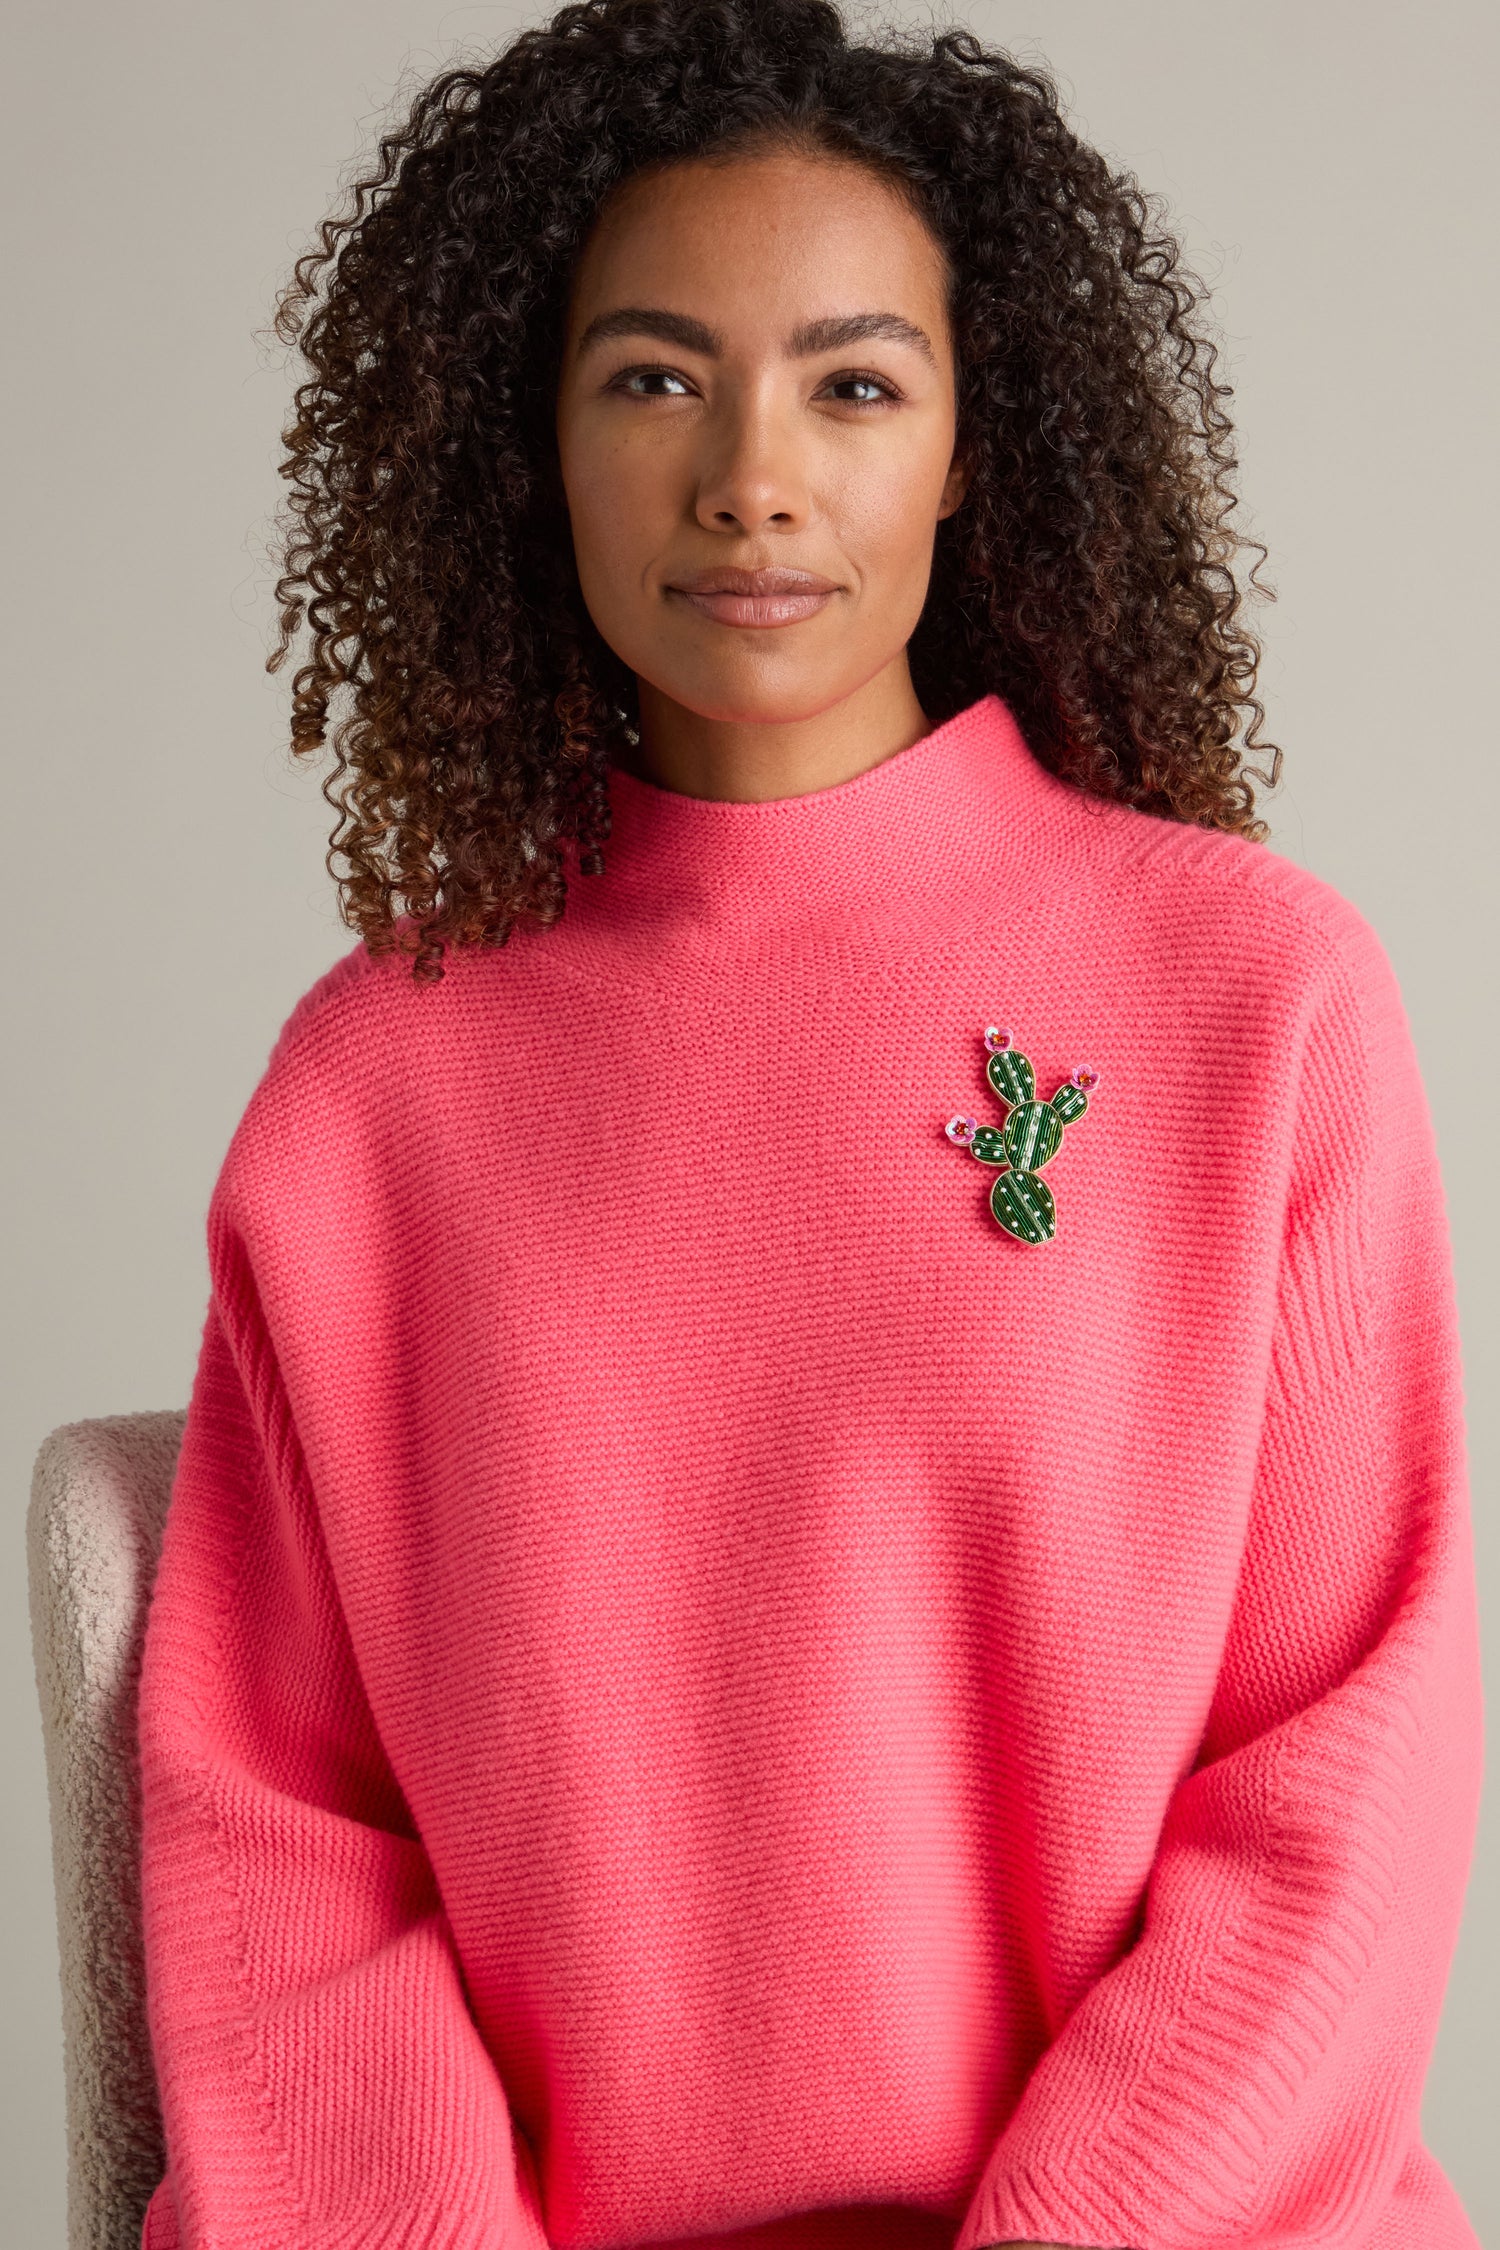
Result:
<point x="93" y="1532"/>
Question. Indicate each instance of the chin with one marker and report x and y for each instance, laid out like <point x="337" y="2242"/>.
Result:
<point x="752" y="695"/>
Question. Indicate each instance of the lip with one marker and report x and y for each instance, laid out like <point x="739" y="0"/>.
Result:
<point x="756" y="598"/>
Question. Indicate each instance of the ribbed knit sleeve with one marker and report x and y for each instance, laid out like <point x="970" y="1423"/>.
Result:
<point x="323" y="2083"/>
<point x="1250" y="2072"/>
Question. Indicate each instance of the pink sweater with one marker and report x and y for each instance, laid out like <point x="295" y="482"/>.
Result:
<point x="697" y="1683"/>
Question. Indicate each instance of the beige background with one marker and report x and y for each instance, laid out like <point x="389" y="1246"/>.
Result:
<point x="162" y="872"/>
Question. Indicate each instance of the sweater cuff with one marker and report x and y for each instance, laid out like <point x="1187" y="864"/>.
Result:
<point x="1032" y="2203"/>
<point x="159" y="2227"/>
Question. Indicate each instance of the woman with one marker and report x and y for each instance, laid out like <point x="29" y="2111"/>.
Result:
<point x="718" y="1671"/>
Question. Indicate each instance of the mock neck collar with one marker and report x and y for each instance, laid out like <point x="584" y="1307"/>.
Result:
<point x="719" y="888"/>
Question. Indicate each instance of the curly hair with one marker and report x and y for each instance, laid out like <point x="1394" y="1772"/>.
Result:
<point x="1088" y="576"/>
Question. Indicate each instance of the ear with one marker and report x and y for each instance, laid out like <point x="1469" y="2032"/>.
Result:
<point x="955" y="485"/>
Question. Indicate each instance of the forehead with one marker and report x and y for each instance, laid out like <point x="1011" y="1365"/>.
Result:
<point x="730" y="239"/>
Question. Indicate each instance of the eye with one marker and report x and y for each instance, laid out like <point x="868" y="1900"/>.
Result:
<point x="870" y="390"/>
<point x="631" y="380"/>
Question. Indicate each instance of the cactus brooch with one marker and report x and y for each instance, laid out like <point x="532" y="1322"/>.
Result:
<point x="1030" y="1137"/>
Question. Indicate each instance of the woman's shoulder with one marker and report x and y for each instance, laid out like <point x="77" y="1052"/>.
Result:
<point x="345" y="990"/>
<point x="363" y="1024"/>
<point x="1222" y="894"/>
<point x="343" y="1054"/>
<point x="342" y="1029"/>
<point x="1267" y="969"/>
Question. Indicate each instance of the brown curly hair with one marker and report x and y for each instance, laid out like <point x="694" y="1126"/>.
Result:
<point x="1088" y="576"/>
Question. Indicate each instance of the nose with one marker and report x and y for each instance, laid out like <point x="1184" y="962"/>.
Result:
<point x="752" y="476"/>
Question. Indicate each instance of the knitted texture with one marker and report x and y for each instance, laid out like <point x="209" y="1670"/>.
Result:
<point x="93" y="1530"/>
<point x="695" y="1683"/>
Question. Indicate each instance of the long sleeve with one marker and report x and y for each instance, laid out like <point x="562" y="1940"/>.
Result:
<point x="1250" y="2071"/>
<point x="322" y="2079"/>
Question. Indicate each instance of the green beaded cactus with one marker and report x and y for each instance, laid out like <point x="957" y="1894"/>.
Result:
<point x="1031" y="1136"/>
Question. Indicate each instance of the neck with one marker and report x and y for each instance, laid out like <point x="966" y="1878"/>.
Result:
<point x="753" y="761"/>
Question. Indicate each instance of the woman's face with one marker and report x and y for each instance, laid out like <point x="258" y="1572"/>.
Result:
<point x="757" y="378"/>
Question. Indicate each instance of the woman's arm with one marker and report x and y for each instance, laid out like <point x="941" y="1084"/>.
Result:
<point x="323" y="2083"/>
<point x="1250" y="2073"/>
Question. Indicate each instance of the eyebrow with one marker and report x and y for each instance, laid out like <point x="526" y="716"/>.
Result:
<point x="813" y="336"/>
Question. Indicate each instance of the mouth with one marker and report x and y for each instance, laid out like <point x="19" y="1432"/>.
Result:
<point x="755" y="598"/>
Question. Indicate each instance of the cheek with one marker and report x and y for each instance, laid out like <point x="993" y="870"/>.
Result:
<point x="617" y="494"/>
<point x="884" y="502"/>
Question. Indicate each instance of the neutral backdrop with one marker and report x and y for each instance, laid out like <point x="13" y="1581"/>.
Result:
<point x="1332" y="169"/>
